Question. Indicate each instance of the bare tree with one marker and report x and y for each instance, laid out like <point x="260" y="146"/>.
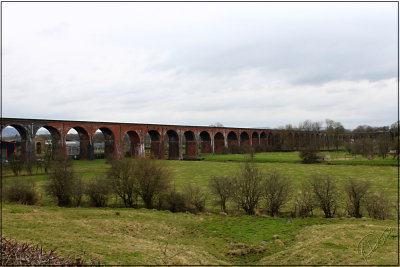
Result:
<point x="195" y="198"/>
<point x="122" y="181"/>
<point x="378" y="206"/>
<point x="325" y="192"/>
<point x="356" y="191"/>
<point x="248" y="187"/>
<point x="151" y="179"/>
<point x="221" y="186"/>
<point x="276" y="192"/>
<point x="63" y="184"/>
<point x="304" y="202"/>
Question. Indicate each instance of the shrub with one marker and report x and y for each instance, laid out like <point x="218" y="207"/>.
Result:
<point x="172" y="200"/>
<point x="122" y="181"/>
<point x="195" y="199"/>
<point x="276" y="192"/>
<point x="308" y="156"/>
<point x="325" y="192"/>
<point x="151" y="179"/>
<point x="21" y="192"/>
<point x="378" y="206"/>
<point x="98" y="189"/>
<point x="248" y="187"/>
<point x="355" y="191"/>
<point x="221" y="186"/>
<point x="63" y="185"/>
<point x="304" y="202"/>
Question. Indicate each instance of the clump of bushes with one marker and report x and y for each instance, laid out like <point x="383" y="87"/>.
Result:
<point x="144" y="178"/>
<point x="21" y="192"/>
<point x="192" y="200"/>
<point x="172" y="200"/>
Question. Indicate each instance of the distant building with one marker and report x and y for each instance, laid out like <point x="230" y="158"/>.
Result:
<point x="41" y="146"/>
<point x="73" y="148"/>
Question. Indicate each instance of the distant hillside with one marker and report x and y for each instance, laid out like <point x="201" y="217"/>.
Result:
<point x="9" y="131"/>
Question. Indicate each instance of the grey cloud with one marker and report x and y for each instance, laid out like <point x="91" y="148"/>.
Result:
<point x="249" y="66"/>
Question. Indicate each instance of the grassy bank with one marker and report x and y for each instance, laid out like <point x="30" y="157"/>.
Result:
<point x="128" y="236"/>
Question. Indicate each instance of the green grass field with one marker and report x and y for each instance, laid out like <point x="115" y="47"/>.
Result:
<point x="161" y="237"/>
<point x="336" y="158"/>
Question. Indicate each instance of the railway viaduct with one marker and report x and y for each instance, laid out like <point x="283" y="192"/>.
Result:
<point x="195" y="139"/>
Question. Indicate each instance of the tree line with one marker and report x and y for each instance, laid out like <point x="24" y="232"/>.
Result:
<point x="364" y="140"/>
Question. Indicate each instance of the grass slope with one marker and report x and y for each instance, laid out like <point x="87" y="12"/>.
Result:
<point x="160" y="237"/>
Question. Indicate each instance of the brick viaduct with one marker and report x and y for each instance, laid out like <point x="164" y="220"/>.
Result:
<point x="206" y="139"/>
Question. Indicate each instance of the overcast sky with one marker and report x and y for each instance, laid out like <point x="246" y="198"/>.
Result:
<point x="241" y="64"/>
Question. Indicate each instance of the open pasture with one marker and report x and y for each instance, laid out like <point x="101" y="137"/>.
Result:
<point x="139" y="236"/>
